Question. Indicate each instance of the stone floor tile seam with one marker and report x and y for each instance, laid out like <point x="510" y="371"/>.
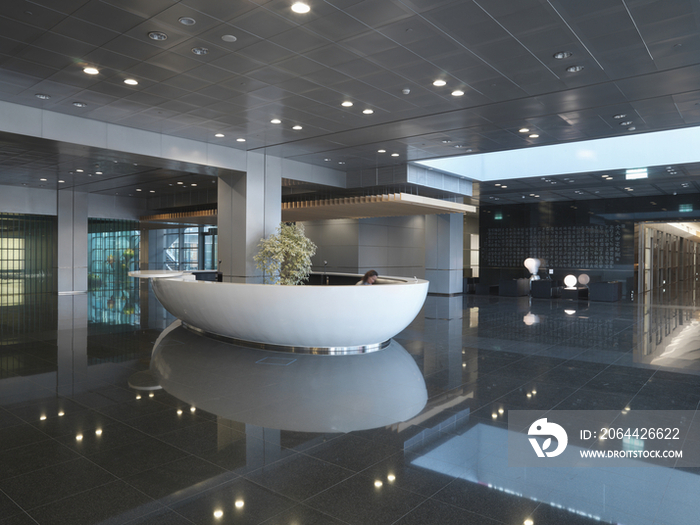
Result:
<point x="78" y="493"/>
<point x="335" y="519"/>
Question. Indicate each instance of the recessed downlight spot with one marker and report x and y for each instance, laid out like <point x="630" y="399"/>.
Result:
<point x="346" y="104"/>
<point x="229" y="38"/>
<point x="240" y="140"/>
<point x="394" y="154"/>
<point x="80" y="104"/>
<point x="42" y="96"/>
<point x="139" y="189"/>
<point x="91" y="70"/>
<point x="367" y="111"/>
<point x="157" y="35"/>
<point x="43" y="180"/>
<point x="131" y="82"/>
<point x="300" y="8"/>
<point x="381" y="151"/>
<point x="187" y="21"/>
<point x="219" y="135"/>
<point x="199" y="51"/>
<point x="562" y="55"/>
<point x="439" y="82"/>
<point x="533" y="135"/>
<point x="457" y="93"/>
<point x="275" y="121"/>
<point x="297" y="127"/>
<point x="574" y="69"/>
<point x="524" y="130"/>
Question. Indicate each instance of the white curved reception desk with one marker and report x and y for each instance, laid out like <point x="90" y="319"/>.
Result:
<point x="320" y="319"/>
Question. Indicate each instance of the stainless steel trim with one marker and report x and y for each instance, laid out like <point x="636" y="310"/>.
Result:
<point x="323" y="350"/>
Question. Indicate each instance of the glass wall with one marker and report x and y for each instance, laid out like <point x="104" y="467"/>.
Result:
<point x="26" y="256"/>
<point x="26" y="274"/>
<point x="193" y="248"/>
<point x="113" y="251"/>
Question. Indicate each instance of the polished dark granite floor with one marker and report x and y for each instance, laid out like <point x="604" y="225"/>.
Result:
<point x="79" y="446"/>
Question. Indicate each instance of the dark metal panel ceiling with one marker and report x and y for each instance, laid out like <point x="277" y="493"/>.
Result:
<point x="640" y="58"/>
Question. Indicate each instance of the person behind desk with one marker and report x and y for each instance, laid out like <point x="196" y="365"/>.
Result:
<point x="369" y="278"/>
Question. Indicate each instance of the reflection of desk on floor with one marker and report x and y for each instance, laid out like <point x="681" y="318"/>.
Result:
<point x="578" y="293"/>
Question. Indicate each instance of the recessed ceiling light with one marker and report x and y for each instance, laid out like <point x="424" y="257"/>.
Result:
<point x="503" y="186"/>
<point x="193" y="184"/>
<point x="631" y="128"/>
<point x="43" y="96"/>
<point x="327" y="160"/>
<point x="79" y="170"/>
<point x="220" y="135"/>
<point x="524" y="130"/>
<point x="574" y="69"/>
<point x="381" y="151"/>
<point x="626" y="123"/>
<point x="367" y="111"/>
<point x="619" y="116"/>
<point x="297" y="127"/>
<point x="229" y="38"/>
<point x="497" y="184"/>
<point x="446" y="141"/>
<point x="139" y="189"/>
<point x="240" y="140"/>
<point x="346" y="104"/>
<point x="300" y="7"/>
<point x="80" y="104"/>
<point x="187" y="21"/>
<point x="157" y="35"/>
<point x="275" y="121"/>
<point x="200" y="51"/>
<point x="152" y="191"/>
<point x="179" y="182"/>
<point x="562" y="54"/>
<point x="457" y="93"/>
<point x="131" y="82"/>
<point x="43" y="180"/>
<point x="394" y="154"/>
<point x="91" y="70"/>
<point x="61" y="181"/>
<point x="341" y="162"/>
<point x="533" y="135"/>
<point x="439" y="82"/>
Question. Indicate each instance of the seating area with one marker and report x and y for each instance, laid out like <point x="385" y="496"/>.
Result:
<point x="603" y="291"/>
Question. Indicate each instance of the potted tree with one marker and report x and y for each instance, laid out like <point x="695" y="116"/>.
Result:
<point x="285" y="256"/>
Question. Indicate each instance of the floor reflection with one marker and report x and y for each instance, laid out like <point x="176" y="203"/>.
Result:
<point x="408" y="436"/>
<point x="305" y="393"/>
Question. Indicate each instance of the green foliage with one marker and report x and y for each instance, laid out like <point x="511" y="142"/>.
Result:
<point x="285" y="256"/>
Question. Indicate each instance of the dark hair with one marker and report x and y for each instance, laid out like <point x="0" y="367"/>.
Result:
<point x="370" y="273"/>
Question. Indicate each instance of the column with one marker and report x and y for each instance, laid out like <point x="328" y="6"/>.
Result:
<point x="72" y="241"/>
<point x="71" y="340"/>
<point x="444" y="239"/>
<point x="249" y="209"/>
